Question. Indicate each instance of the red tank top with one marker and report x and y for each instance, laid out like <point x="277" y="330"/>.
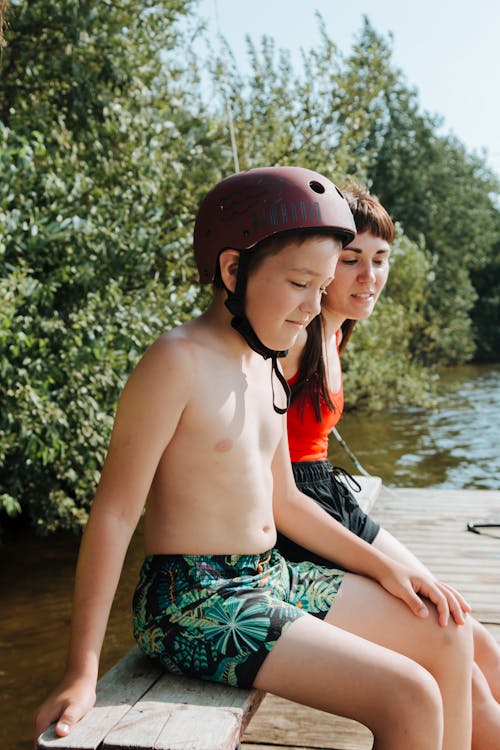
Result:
<point x="308" y="438"/>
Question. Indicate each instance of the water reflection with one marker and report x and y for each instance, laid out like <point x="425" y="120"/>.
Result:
<point x="453" y="445"/>
<point x="36" y="581"/>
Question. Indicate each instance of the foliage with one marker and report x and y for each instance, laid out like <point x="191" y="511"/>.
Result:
<point x="486" y="311"/>
<point x="438" y="191"/>
<point x="112" y="127"/>
<point x="3" y="10"/>
<point x="100" y="149"/>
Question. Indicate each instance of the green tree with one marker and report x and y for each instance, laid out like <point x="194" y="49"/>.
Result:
<point x="317" y="115"/>
<point x="101" y="146"/>
<point x="3" y="9"/>
<point x="443" y="194"/>
<point x="486" y="311"/>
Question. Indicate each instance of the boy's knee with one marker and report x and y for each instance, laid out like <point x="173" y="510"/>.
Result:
<point x="415" y="709"/>
<point x="421" y="689"/>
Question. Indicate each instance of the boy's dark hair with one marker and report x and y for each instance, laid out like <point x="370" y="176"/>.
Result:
<point x="272" y="246"/>
<point x="311" y="383"/>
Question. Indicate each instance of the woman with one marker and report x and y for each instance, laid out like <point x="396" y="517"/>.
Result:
<point x="313" y="370"/>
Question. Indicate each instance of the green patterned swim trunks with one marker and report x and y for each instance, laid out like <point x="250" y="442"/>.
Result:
<point x="218" y="616"/>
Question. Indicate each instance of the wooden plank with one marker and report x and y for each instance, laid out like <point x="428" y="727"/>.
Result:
<point x="433" y="525"/>
<point x="169" y="727"/>
<point x="117" y="691"/>
<point x="179" y="712"/>
<point x="284" y="723"/>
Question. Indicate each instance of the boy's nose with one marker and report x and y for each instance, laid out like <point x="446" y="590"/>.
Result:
<point x="312" y="304"/>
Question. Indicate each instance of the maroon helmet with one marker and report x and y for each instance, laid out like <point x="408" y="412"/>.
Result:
<point x="248" y="207"/>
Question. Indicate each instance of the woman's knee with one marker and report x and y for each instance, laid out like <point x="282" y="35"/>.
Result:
<point x="455" y="645"/>
<point x="486" y="648"/>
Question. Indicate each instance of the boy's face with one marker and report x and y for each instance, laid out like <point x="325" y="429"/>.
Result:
<point x="284" y="292"/>
<point x="360" y="276"/>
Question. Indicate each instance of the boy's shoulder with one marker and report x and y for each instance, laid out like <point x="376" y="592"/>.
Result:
<point x="174" y="349"/>
<point x="177" y="353"/>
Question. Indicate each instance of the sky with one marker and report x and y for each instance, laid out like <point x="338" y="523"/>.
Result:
<point x="448" y="50"/>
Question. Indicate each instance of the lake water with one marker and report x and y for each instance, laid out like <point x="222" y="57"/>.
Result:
<point x="454" y="445"/>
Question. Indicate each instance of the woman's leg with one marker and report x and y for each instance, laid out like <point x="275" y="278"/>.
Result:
<point x="486" y="675"/>
<point x="487" y="657"/>
<point x="486" y="714"/>
<point x="447" y="653"/>
<point x="322" y="666"/>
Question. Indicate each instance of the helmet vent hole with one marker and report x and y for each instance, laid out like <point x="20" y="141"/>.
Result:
<point x="316" y="186"/>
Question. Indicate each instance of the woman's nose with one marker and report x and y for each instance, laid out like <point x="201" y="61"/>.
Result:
<point x="366" y="273"/>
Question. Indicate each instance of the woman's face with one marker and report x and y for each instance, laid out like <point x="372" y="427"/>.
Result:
<point x="360" y="276"/>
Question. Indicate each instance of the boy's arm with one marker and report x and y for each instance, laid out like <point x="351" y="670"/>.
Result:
<point x="300" y="518"/>
<point x="100" y="561"/>
<point x="148" y="413"/>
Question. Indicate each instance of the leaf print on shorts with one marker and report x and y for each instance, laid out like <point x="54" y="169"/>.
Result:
<point x="235" y="625"/>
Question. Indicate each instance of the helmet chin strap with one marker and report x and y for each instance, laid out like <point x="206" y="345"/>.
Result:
<point x="235" y="303"/>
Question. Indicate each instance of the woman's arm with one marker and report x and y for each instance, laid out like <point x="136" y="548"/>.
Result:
<point x="300" y="518"/>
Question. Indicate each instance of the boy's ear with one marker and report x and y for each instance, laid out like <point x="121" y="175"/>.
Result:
<point x="228" y="263"/>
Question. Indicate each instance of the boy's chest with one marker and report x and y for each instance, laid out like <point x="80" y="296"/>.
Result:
<point x="238" y="415"/>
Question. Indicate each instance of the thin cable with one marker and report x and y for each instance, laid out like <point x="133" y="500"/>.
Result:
<point x="227" y="99"/>
<point x="351" y="455"/>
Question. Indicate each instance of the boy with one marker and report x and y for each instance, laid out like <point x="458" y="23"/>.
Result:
<point x="199" y="432"/>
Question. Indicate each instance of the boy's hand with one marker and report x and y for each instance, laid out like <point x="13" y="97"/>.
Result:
<point x="69" y="702"/>
<point x="410" y="587"/>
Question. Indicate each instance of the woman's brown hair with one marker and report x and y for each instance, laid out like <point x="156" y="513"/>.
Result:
<point x="311" y="383"/>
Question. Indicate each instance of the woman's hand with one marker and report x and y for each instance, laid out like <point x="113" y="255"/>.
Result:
<point x="410" y="587"/>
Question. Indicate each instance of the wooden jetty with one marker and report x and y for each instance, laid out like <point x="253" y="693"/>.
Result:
<point x="433" y="525"/>
<point x="139" y="707"/>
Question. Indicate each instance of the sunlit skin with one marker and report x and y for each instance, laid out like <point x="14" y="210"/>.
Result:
<point x="360" y="276"/>
<point x="293" y="283"/>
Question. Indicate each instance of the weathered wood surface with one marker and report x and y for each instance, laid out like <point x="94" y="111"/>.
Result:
<point x="138" y="706"/>
<point x="370" y="491"/>
<point x="117" y="691"/>
<point x="432" y="523"/>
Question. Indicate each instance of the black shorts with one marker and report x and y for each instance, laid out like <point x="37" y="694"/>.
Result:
<point x="319" y="480"/>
